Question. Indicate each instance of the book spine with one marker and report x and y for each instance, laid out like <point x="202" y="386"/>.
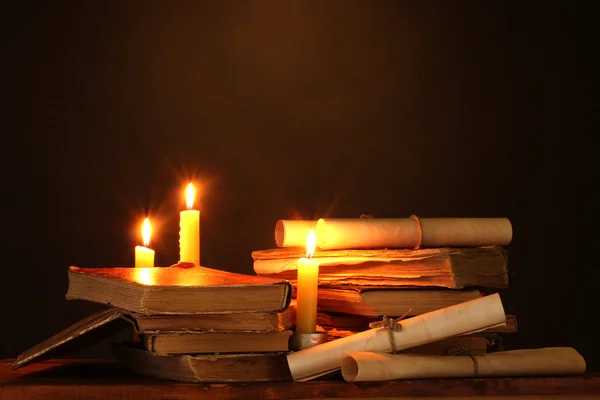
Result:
<point x="148" y="341"/>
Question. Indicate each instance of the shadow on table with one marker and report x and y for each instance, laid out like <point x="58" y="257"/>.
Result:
<point x="81" y="370"/>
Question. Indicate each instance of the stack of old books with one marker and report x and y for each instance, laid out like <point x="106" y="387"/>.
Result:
<point x="198" y="324"/>
<point x="191" y="323"/>
<point x="371" y="268"/>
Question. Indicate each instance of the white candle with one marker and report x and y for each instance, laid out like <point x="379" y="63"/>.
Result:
<point x="144" y="256"/>
<point x="189" y="230"/>
<point x="307" y="289"/>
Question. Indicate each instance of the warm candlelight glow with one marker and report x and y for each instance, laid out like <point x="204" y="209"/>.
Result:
<point x="189" y="229"/>
<point x="144" y="256"/>
<point x="146" y="232"/>
<point x="190" y="193"/>
<point x="145" y="276"/>
<point x="311" y="242"/>
<point x="307" y="288"/>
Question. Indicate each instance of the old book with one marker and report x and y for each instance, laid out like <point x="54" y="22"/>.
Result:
<point x="390" y="302"/>
<point x="357" y="323"/>
<point x="166" y="343"/>
<point x="454" y="268"/>
<point x="255" y="321"/>
<point x="105" y="323"/>
<point x="349" y="322"/>
<point x="82" y="334"/>
<point x="244" y="367"/>
<point x="177" y="290"/>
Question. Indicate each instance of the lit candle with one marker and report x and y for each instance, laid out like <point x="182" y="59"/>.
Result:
<point x="307" y="289"/>
<point x="189" y="230"/>
<point x="144" y="256"/>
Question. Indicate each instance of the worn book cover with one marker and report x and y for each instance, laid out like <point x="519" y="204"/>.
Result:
<point x="371" y="302"/>
<point x="78" y="336"/>
<point x="255" y="321"/>
<point x="178" y="290"/>
<point x="243" y="367"/>
<point x="454" y="268"/>
<point x="210" y="342"/>
<point x="105" y="323"/>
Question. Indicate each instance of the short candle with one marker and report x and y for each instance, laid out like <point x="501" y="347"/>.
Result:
<point x="189" y="230"/>
<point x="144" y="256"/>
<point x="307" y="289"/>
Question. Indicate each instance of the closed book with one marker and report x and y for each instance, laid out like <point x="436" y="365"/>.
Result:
<point x="166" y="343"/>
<point x="454" y="268"/>
<point x="390" y="302"/>
<point x="253" y="321"/>
<point x="242" y="367"/>
<point x="178" y="290"/>
<point x="357" y="323"/>
<point x="102" y="324"/>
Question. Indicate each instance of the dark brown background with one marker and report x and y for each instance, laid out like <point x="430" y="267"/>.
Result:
<point x="283" y="110"/>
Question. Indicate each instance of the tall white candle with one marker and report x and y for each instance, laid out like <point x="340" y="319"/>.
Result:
<point x="307" y="289"/>
<point x="144" y="256"/>
<point x="189" y="230"/>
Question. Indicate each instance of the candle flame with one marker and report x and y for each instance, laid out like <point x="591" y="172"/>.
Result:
<point x="311" y="242"/>
<point x="146" y="232"/>
<point x="190" y="193"/>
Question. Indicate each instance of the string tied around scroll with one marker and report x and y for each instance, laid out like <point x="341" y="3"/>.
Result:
<point x="392" y="325"/>
<point x="475" y="365"/>
<point x="418" y="221"/>
<point x="413" y="216"/>
<point x="459" y="351"/>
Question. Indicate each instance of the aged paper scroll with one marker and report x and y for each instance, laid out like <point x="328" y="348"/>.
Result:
<point x="368" y="367"/>
<point x="468" y="317"/>
<point x="390" y="233"/>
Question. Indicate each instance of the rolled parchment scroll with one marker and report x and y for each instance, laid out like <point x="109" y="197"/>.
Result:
<point x="292" y="233"/>
<point x="369" y="367"/>
<point x="414" y="232"/>
<point x="468" y="317"/>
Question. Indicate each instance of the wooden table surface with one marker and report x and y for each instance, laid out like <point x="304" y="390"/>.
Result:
<point x="105" y="379"/>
